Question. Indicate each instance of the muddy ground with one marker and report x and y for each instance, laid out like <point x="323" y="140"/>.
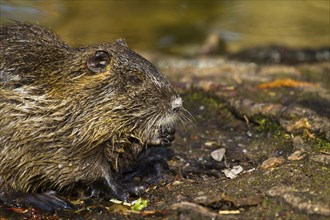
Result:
<point x="273" y="121"/>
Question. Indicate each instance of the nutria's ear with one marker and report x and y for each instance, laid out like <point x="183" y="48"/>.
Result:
<point x="122" y="42"/>
<point x="98" y="61"/>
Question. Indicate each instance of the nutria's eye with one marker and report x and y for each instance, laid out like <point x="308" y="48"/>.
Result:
<point x="98" y="61"/>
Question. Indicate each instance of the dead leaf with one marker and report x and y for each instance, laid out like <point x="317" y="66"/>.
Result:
<point x="299" y="124"/>
<point x="286" y="83"/>
<point x="233" y="172"/>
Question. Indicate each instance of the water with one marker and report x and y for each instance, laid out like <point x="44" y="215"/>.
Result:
<point x="168" y="26"/>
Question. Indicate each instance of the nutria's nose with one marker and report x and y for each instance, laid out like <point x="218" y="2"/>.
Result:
<point x="176" y="103"/>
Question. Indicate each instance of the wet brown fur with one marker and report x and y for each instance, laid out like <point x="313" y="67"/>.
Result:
<point x="61" y="123"/>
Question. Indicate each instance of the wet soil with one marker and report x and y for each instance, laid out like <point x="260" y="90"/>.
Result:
<point x="273" y="121"/>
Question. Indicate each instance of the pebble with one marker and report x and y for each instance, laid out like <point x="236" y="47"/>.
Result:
<point x="272" y="162"/>
<point x="297" y="155"/>
<point x="218" y="154"/>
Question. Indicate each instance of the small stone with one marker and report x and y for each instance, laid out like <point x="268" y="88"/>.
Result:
<point x="297" y="155"/>
<point x="218" y="154"/>
<point x="272" y="162"/>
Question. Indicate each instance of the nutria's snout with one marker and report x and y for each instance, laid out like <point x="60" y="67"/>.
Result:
<point x="176" y="104"/>
<point x="163" y="131"/>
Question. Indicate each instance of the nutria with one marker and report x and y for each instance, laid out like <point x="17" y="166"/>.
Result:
<point x="77" y="115"/>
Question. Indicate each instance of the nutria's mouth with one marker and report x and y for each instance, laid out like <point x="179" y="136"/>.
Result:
<point x="163" y="136"/>
<point x="160" y="128"/>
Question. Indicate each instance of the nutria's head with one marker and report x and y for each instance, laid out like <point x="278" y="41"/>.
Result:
<point x="123" y="95"/>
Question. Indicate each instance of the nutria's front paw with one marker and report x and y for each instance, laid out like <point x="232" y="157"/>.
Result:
<point x="108" y="190"/>
<point x="164" y="137"/>
<point x="102" y="189"/>
<point x="150" y="167"/>
<point x="122" y="193"/>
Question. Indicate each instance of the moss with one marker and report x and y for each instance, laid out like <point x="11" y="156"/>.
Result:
<point x="268" y="126"/>
<point x="205" y="106"/>
<point x="319" y="143"/>
<point x="200" y="98"/>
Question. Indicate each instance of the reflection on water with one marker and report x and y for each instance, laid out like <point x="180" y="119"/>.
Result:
<point x="164" y="25"/>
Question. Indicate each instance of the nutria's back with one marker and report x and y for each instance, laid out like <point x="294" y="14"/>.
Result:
<point x="71" y="115"/>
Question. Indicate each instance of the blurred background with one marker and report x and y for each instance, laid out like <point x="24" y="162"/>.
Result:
<point x="180" y="26"/>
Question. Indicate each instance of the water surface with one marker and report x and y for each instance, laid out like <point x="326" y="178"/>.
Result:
<point x="167" y="26"/>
